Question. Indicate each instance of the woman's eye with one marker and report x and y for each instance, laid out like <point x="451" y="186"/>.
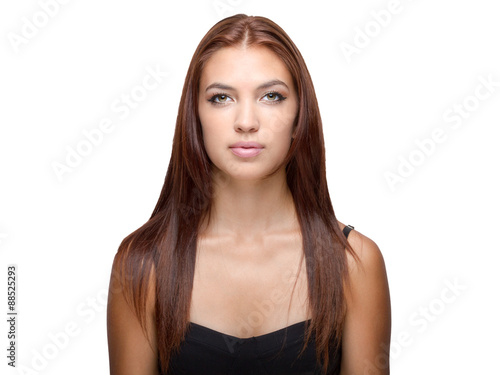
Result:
<point x="274" y="97"/>
<point x="219" y="99"/>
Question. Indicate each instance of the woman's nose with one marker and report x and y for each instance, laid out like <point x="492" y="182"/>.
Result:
<point x="246" y="118"/>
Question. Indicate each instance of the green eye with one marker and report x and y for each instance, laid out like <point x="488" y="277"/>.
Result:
<point x="274" y="97"/>
<point x="219" y="99"/>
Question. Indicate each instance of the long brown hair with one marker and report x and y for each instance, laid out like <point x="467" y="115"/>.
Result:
<point x="165" y="246"/>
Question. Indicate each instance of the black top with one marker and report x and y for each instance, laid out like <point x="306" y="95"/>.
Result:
<point x="209" y="352"/>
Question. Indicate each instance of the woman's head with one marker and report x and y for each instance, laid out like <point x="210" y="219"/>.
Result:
<point x="245" y="52"/>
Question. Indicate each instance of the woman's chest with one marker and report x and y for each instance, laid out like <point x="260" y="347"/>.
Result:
<point x="249" y="288"/>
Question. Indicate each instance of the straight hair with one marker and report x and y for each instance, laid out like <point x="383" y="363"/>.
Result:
<point x="163" y="250"/>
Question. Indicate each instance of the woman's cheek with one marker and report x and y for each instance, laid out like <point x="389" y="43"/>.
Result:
<point x="277" y="132"/>
<point x="211" y="146"/>
<point x="280" y="122"/>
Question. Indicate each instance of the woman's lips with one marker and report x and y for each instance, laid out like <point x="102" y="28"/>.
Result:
<point x="244" y="152"/>
<point x="246" y="149"/>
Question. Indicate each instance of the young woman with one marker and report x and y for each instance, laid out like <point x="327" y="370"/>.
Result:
<point x="243" y="267"/>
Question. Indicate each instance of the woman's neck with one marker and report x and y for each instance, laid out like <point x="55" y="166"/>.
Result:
<point x="244" y="208"/>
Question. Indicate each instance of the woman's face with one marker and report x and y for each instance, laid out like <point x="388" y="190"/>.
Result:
<point x="246" y="95"/>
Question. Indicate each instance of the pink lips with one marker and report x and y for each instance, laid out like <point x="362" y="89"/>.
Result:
<point x="246" y="149"/>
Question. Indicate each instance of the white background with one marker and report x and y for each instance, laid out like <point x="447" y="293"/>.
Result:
<point x="435" y="228"/>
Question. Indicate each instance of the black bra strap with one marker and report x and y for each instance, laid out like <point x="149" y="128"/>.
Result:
<point x="347" y="229"/>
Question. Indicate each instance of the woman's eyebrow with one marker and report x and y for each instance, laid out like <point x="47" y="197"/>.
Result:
<point x="265" y="85"/>
<point x="218" y="85"/>
<point x="273" y="82"/>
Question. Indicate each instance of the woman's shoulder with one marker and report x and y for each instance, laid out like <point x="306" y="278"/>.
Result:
<point x="367" y="326"/>
<point x="366" y="255"/>
<point x="133" y="273"/>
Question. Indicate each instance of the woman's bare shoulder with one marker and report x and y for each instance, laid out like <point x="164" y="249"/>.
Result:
<point x="367" y="253"/>
<point x="132" y="346"/>
<point x="367" y="326"/>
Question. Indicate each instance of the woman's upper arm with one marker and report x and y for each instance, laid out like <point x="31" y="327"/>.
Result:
<point x="130" y="352"/>
<point x="367" y="329"/>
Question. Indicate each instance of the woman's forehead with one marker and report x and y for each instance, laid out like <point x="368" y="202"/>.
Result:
<point x="244" y="66"/>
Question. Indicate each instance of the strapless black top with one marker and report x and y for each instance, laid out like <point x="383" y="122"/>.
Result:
<point x="205" y="351"/>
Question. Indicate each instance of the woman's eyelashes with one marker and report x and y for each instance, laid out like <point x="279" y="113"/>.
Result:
<point x="219" y="98"/>
<point x="272" y="97"/>
<point x="275" y="96"/>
